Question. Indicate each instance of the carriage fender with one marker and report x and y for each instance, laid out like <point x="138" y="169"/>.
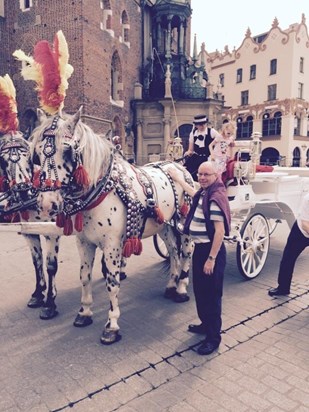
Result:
<point x="274" y="210"/>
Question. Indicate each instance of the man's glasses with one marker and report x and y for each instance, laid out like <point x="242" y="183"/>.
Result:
<point x="205" y="174"/>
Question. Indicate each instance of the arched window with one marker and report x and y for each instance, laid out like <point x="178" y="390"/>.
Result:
<point x="270" y="156"/>
<point x="239" y="128"/>
<point x="125" y="26"/>
<point x="116" y="80"/>
<point x="244" y="127"/>
<point x="271" y="125"/>
<point x="107" y="23"/>
<point x="296" y="157"/>
<point x="296" y="125"/>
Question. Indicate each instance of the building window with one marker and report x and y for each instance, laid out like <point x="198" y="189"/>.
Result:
<point x="116" y="80"/>
<point x="239" y="76"/>
<point x="107" y="23"/>
<point x="221" y="79"/>
<point x="296" y="157"/>
<point x="273" y="66"/>
<point x="244" y="127"/>
<point x="25" y="4"/>
<point x="301" y="65"/>
<point x="244" y="98"/>
<point x="296" y="126"/>
<point x="300" y="90"/>
<point x="272" y="92"/>
<point x="271" y="125"/>
<point x="252" y="71"/>
<point x="125" y="28"/>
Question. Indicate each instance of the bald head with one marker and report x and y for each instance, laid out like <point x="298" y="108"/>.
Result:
<point x="207" y="174"/>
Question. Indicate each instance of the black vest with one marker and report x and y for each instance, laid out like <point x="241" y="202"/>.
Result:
<point x="203" y="151"/>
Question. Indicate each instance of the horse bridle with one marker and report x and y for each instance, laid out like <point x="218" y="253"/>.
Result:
<point x="20" y="195"/>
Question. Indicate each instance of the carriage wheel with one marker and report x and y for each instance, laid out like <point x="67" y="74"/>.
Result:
<point x="160" y="247"/>
<point x="253" y="250"/>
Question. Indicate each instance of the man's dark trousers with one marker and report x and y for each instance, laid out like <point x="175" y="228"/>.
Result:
<point x="296" y="243"/>
<point x="208" y="290"/>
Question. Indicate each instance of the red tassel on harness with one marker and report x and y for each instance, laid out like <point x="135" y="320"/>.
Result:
<point x="15" y="217"/>
<point x="48" y="183"/>
<point x="81" y="176"/>
<point x="79" y="222"/>
<point x="137" y="246"/>
<point x="127" y="249"/>
<point x="25" y="215"/>
<point x="68" y="226"/>
<point x="159" y="216"/>
<point x="12" y="183"/>
<point x="60" y="219"/>
<point x="184" y="209"/>
<point x="57" y="184"/>
<point x="36" y="179"/>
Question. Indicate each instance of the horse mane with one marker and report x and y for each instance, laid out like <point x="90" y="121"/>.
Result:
<point x="96" y="151"/>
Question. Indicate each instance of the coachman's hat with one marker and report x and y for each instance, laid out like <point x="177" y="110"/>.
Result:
<point x="200" y="119"/>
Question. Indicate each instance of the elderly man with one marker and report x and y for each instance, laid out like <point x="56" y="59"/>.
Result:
<point x="207" y="223"/>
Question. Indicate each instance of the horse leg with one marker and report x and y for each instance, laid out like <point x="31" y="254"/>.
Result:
<point x="187" y="247"/>
<point x="37" y="297"/>
<point x="113" y="264"/>
<point x="123" y="275"/>
<point x="87" y="254"/>
<point x="49" y="309"/>
<point x="176" y="288"/>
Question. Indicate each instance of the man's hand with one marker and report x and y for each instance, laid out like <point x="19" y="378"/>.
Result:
<point x="209" y="267"/>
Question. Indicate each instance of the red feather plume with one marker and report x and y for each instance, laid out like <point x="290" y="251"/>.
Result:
<point x="48" y="93"/>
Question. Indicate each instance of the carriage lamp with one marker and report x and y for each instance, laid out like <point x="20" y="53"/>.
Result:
<point x="256" y="146"/>
<point x="256" y="150"/>
<point x="175" y="149"/>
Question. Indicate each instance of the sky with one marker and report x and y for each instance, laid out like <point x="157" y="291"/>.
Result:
<point x="225" y="22"/>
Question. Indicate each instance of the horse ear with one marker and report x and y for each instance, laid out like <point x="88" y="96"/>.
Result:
<point x="77" y="115"/>
<point x="41" y="115"/>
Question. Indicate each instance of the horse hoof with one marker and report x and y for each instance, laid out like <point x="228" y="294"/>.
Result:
<point x="35" y="302"/>
<point x="48" y="313"/>
<point x="181" y="297"/>
<point x="110" y="336"/>
<point x="123" y="276"/>
<point x="170" y="293"/>
<point x="82" y="321"/>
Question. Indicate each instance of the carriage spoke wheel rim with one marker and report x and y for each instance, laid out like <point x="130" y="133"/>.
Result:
<point x="252" y="252"/>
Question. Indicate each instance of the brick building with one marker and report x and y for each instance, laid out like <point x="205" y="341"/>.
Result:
<point x="124" y="53"/>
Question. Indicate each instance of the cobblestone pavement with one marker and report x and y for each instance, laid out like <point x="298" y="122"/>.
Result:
<point x="262" y="363"/>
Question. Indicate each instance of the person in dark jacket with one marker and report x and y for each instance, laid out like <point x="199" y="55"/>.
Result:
<point x="199" y="140"/>
<point x="207" y="222"/>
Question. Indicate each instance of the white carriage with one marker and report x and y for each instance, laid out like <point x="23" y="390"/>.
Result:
<point x="258" y="202"/>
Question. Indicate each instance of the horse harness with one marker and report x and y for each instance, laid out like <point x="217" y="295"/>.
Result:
<point x="20" y="196"/>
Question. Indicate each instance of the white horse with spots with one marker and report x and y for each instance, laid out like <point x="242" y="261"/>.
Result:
<point x="84" y="179"/>
<point x="16" y="170"/>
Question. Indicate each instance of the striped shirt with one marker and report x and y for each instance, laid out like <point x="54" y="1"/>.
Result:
<point x="198" y="229"/>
